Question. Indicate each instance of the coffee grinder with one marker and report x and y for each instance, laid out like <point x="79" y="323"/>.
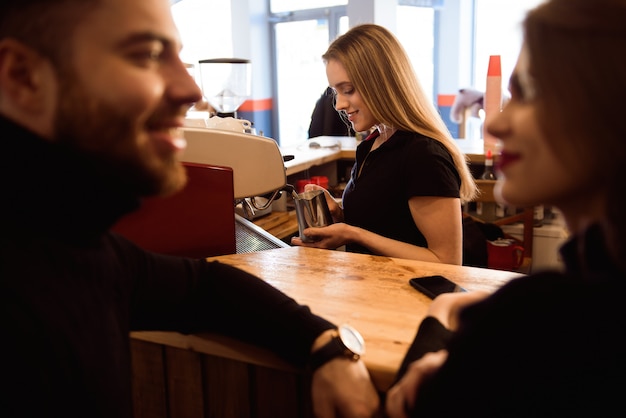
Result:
<point x="226" y="84"/>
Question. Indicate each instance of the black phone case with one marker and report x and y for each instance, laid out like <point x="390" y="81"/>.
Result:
<point x="433" y="286"/>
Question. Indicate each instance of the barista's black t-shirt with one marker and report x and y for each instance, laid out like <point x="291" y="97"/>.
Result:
<point x="407" y="164"/>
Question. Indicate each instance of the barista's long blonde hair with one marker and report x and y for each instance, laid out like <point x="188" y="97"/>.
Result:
<point x="380" y="70"/>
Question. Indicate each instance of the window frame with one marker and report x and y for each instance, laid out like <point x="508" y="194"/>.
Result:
<point x="331" y="14"/>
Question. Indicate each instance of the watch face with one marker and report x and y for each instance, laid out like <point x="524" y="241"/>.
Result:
<point x="352" y="339"/>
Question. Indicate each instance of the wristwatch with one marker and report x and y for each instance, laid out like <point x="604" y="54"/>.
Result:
<point x="347" y="343"/>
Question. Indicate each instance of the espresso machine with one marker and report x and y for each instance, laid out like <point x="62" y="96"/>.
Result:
<point x="259" y="173"/>
<point x="222" y="139"/>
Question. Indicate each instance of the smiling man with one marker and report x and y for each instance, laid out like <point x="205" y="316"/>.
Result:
<point x="92" y="98"/>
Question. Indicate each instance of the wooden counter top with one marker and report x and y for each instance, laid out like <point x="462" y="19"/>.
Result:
<point x="306" y="157"/>
<point x="371" y="293"/>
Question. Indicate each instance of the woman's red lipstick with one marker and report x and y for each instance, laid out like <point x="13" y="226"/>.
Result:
<point x="505" y="159"/>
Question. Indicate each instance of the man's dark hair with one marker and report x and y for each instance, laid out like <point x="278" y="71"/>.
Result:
<point x="44" y="25"/>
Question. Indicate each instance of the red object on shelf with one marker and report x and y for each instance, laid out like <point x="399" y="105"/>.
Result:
<point x="320" y="180"/>
<point x="492" y="100"/>
<point x="301" y="183"/>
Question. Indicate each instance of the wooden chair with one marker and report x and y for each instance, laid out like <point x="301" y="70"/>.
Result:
<point x="526" y="218"/>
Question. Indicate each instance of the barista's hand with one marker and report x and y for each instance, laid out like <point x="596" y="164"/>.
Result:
<point x="401" y="397"/>
<point x="335" y="210"/>
<point x="327" y="237"/>
<point x="342" y="388"/>
<point x="447" y="306"/>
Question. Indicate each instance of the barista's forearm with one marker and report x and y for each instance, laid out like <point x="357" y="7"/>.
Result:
<point x="391" y="248"/>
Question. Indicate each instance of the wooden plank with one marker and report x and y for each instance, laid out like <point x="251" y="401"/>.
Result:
<point x="286" y="229"/>
<point x="148" y="380"/>
<point x="271" y="220"/>
<point x="217" y="345"/>
<point x="280" y="394"/>
<point x="184" y="383"/>
<point x="279" y="224"/>
<point x="227" y="388"/>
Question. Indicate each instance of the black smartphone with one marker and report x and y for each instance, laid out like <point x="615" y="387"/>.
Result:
<point x="433" y="286"/>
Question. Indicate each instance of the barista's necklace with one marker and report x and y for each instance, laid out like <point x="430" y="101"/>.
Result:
<point x="379" y="138"/>
<point x="384" y="133"/>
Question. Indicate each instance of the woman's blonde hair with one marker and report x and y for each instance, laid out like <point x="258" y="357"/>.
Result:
<point x="381" y="72"/>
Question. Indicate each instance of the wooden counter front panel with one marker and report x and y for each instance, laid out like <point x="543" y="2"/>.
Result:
<point x="172" y="382"/>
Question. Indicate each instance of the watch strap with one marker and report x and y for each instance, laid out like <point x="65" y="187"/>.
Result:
<point x="332" y="349"/>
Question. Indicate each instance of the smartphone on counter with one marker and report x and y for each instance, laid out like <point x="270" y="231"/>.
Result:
<point x="433" y="286"/>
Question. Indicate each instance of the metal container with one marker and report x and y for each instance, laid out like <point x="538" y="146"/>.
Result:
<point x="311" y="211"/>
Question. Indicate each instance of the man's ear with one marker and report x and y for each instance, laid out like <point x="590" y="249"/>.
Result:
<point x="25" y="78"/>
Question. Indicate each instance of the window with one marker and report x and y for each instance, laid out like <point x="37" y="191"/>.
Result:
<point x="498" y="31"/>
<point x="302" y="36"/>
<point x="416" y="31"/>
<point x="300" y="39"/>
<point x="202" y="40"/>
<point x="279" y="6"/>
<point x="302" y="30"/>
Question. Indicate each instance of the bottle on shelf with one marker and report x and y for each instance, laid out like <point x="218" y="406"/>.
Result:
<point x="488" y="173"/>
<point x="500" y="210"/>
<point x="538" y="215"/>
<point x="487" y="209"/>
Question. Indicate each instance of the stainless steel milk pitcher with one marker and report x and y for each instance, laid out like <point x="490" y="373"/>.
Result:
<point x="311" y="211"/>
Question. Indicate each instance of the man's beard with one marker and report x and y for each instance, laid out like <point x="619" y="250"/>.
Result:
<point x="109" y="139"/>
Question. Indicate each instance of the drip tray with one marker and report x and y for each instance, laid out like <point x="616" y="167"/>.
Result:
<point x="250" y="237"/>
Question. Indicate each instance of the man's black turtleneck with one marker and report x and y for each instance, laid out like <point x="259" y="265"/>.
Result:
<point x="72" y="291"/>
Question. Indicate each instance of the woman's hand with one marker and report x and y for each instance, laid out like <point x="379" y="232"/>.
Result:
<point x="328" y="237"/>
<point x="447" y="306"/>
<point x="335" y="209"/>
<point x="401" y="397"/>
